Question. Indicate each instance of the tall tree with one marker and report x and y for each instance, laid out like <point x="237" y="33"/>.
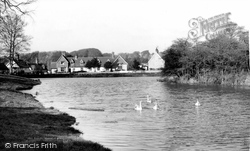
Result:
<point x="12" y="36"/>
<point x="14" y="6"/>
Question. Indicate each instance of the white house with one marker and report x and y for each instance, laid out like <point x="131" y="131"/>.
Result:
<point x="155" y="62"/>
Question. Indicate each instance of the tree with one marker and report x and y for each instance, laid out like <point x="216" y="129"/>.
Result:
<point x="12" y="5"/>
<point x="12" y="37"/>
<point x="108" y="65"/>
<point x="96" y="63"/>
<point x="145" y="55"/>
<point x="136" y="65"/>
<point x="173" y="55"/>
<point x="93" y="63"/>
<point x="88" y="52"/>
<point x="89" y="64"/>
<point x="172" y="62"/>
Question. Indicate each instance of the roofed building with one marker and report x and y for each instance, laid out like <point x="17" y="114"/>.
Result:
<point x="3" y="68"/>
<point x="19" y="66"/>
<point x="156" y="62"/>
<point x="76" y="64"/>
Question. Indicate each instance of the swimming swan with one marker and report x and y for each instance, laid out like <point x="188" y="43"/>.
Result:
<point x="156" y="106"/>
<point x="149" y="99"/>
<point x="197" y="103"/>
<point x="138" y="107"/>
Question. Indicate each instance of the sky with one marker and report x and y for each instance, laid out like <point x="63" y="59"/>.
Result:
<point x="121" y="25"/>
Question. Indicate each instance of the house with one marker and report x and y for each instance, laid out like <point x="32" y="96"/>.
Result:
<point x="62" y="64"/>
<point x="19" y="66"/>
<point x="38" y="68"/>
<point x="156" y="62"/>
<point x="79" y="63"/>
<point x="76" y="64"/>
<point x="3" y="68"/>
<point x="121" y="64"/>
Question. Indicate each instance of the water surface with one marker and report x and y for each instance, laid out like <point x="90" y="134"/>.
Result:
<point x="104" y="108"/>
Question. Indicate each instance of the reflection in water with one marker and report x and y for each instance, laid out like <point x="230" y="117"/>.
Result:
<point x="104" y="108"/>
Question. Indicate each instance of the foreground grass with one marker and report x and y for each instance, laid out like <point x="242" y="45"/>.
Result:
<point x="35" y="126"/>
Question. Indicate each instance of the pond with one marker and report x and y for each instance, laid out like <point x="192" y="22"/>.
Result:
<point x="104" y="108"/>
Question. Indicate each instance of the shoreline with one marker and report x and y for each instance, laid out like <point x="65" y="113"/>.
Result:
<point x="96" y="75"/>
<point x="193" y="81"/>
<point x="24" y="120"/>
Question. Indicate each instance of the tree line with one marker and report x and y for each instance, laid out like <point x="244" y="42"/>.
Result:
<point x="222" y="60"/>
<point x="12" y="36"/>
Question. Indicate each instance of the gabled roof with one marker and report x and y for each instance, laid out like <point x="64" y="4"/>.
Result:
<point x="77" y="62"/>
<point x="3" y="66"/>
<point x="157" y="55"/>
<point x="63" y="57"/>
<point x="53" y="65"/>
<point x="120" y="60"/>
<point x="21" y="63"/>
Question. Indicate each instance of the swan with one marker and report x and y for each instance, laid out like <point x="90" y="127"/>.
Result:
<point x="138" y="107"/>
<point x="149" y="99"/>
<point x="197" y="103"/>
<point x="156" y="106"/>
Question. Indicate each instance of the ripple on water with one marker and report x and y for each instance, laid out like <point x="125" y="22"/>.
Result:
<point x="221" y="123"/>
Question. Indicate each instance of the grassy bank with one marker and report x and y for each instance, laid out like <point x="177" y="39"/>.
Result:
<point x="211" y="78"/>
<point x="96" y="75"/>
<point x="25" y="123"/>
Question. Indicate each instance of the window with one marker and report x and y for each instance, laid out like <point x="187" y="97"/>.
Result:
<point x="81" y="62"/>
<point x="63" y="69"/>
<point x="62" y="62"/>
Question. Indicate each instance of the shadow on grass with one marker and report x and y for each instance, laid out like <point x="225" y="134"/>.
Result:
<point x="33" y="126"/>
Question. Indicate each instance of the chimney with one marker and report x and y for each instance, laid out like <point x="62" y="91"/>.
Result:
<point x="36" y="60"/>
<point x="75" y="57"/>
<point x="157" y="51"/>
<point x="113" y="55"/>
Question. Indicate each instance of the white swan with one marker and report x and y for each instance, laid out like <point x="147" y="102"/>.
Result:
<point x="197" y="103"/>
<point x="138" y="107"/>
<point x="156" y="106"/>
<point x="149" y="99"/>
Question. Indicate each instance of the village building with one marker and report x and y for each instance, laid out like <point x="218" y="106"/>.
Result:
<point x="38" y="68"/>
<point x="3" y="68"/>
<point x="156" y="62"/>
<point x="19" y="66"/>
<point x="122" y="65"/>
<point x="76" y="64"/>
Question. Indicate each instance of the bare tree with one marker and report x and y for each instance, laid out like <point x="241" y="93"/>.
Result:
<point x="14" y="6"/>
<point x="12" y="37"/>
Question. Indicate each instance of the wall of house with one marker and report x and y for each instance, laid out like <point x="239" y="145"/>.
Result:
<point x="62" y="67"/>
<point x="122" y="64"/>
<point x="155" y="63"/>
<point x="76" y="69"/>
<point x="53" y="71"/>
<point x="124" y="67"/>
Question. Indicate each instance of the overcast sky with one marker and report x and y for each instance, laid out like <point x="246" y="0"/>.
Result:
<point x="122" y="25"/>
